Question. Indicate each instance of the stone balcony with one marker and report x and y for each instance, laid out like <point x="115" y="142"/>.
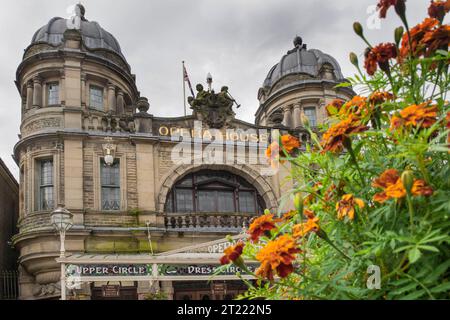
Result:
<point x="207" y="222"/>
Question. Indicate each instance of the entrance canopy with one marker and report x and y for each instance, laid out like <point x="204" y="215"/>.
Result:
<point x="198" y="262"/>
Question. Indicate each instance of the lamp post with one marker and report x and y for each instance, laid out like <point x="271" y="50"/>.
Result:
<point x="61" y="219"/>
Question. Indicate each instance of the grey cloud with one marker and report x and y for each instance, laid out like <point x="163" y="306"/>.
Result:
<point x="237" y="41"/>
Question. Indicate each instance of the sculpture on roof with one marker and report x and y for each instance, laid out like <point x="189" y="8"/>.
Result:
<point x="215" y="109"/>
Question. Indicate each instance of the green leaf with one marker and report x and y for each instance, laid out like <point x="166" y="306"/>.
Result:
<point x="429" y="248"/>
<point x="414" y="255"/>
<point x="441" y="288"/>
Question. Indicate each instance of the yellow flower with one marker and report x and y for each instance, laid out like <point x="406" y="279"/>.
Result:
<point x="346" y="207"/>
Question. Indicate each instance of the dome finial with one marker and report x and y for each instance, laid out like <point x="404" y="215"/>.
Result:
<point x="298" y="41"/>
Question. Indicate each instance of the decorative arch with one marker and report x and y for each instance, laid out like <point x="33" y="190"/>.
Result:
<point x="252" y="176"/>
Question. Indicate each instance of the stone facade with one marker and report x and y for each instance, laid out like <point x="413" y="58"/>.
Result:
<point x="9" y="213"/>
<point x="73" y="134"/>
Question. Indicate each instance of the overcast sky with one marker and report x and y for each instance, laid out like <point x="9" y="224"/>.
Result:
<point x="238" y="41"/>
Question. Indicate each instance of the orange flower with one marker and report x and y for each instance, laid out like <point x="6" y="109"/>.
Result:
<point x="302" y="229"/>
<point x="422" y="115"/>
<point x="289" y="144"/>
<point x="393" y="187"/>
<point x="384" y="5"/>
<point x="437" y="39"/>
<point x="289" y="215"/>
<point x="438" y="9"/>
<point x="277" y="258"/>
<point x="380" y="56"/>
<point x="346" y="207"/>
<point x="355" y="106"/>
<point x="333" y="139"/>
<point x="420" y="188"/>
<point x="232" y="253"/>
<point x="260" y="225"/>
<point x="380" y="97"/>
<point x="334" y="106"/>
<point x="426" y="37"/>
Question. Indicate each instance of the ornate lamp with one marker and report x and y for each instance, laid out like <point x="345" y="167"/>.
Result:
<point x="62" y="220"/>
<point x="109" y="150"/>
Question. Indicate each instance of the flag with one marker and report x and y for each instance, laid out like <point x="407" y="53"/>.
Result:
<point x="186" y="79"/>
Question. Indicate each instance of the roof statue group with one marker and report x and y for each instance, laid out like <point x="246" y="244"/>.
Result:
<point x="215" y="109"/>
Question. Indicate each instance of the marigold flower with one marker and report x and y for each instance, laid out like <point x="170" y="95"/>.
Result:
<point x="380" y="97"/>
<point x="277" y="258"/>
<point x="334" y="106"/>
<point x="333" y="139"/>
<point x="426" y="38"/>
<point x="384" y="5"/>
<point x="420" y="188"/>
<point x="289" y="215"/>
<point x="302" y="229"/>
<point x="438" y="9"/>
<point x="260" y="225"/>
<point x="346" y="207"/>
<point x="232" y="253"/>
<point x="289" y="144"/>
<point x="392" y="184"/>
<point x="422" y="115"/>
<point x="356" y="106"/>
<point x="380" y="56"/>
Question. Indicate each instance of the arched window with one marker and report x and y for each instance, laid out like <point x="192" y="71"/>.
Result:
<point x="214" y="192"/>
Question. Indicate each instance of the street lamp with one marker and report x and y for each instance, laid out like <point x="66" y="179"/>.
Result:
<point x="61" y="219"/>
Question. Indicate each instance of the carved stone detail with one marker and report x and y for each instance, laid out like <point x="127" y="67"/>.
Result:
<point x="41" y="124"/>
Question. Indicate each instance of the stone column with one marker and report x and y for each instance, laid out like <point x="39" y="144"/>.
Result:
<point x="120" y="103"/>
<point x="111" y="98"/>
<point x="62" y="87"/>
<point x="287" y="116"/>
<point x="83" y="90"/>
<point x="37" y="92"/>
<point x="297" y="114"/>
<point x="29" y="95"/>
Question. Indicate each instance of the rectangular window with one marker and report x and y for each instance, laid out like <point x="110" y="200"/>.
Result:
<point x="96" y="97"/>
<point x="207" y="201"/>
<point x="312" y="116"/>
<point x="53" y="93"/>
<point x="45" y="182"/>
<point x="110" y="179"/>
<point x="184" y="200"/>
<point x="247" y="202"/>
<point x="225" y="201"/>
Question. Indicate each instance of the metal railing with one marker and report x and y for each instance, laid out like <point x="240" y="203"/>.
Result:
<point x="207" y="221"/>
<point x="9" y="285"/>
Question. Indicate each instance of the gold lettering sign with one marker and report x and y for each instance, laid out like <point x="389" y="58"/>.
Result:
<point x="208" y="135"/>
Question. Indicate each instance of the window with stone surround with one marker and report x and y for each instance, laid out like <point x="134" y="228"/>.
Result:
<point x="214" y="192"/>
<point x="96" y="97"/>
<point x="110" y="185"/>
<point x="45" y="183"/>
<point x="52" y="93"/>
<point x="311" y="114"/>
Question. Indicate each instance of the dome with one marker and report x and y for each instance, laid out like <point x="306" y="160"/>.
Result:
<point x="300" y="60"/>
<point x="94" y="36"/>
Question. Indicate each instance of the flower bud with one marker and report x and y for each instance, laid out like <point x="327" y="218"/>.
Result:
<point x="298" y="202"/>
<point x="354" y="59"/>
<point x="408" y="180"/>
<point x="357" y="27"/>
<point x="304" y="119"/>
<point x="398" y="35"/>
<point x="400" y="8"/>
<point x="267" y="211"/>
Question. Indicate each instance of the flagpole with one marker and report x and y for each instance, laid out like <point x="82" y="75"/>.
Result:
<point x="184" y="90"/>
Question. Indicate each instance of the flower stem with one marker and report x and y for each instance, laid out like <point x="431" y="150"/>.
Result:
<point x="411" y="211"/>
